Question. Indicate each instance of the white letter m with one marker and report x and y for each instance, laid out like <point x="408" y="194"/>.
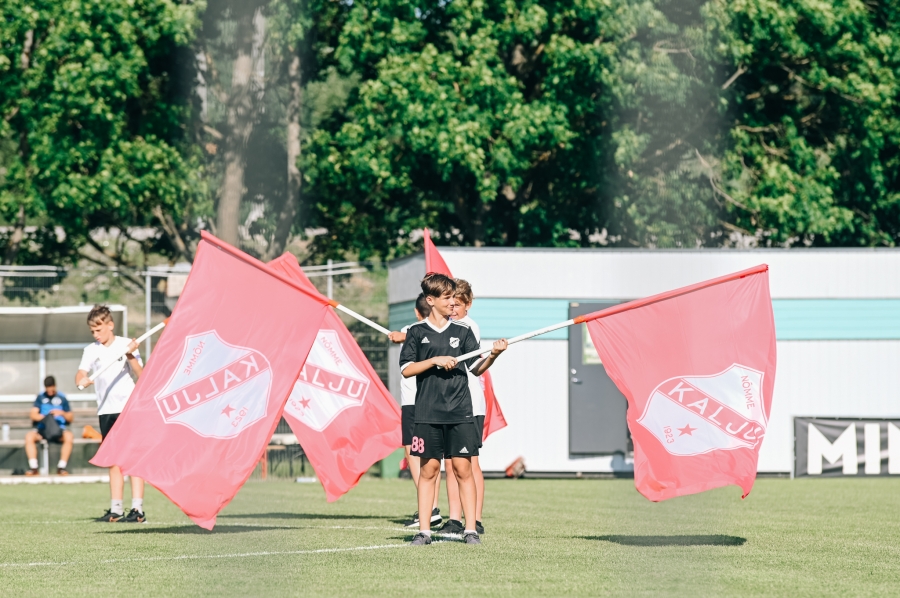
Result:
<point x="819" y="448"/>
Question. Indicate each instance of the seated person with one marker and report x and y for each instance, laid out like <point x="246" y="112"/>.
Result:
<point x="51" y="416"/>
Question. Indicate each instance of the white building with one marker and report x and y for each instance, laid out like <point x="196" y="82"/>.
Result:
<point x="837" y="316"/>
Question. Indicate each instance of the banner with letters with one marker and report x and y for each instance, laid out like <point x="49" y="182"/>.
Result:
<point x="834" y="447"/>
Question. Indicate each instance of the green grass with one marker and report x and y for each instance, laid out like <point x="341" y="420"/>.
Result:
<point x="544" y="538"/>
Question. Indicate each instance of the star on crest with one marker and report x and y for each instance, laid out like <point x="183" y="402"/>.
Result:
<point x="305" y="402"/>
<point x="227" y="411"/>
<point x="686" y="430"/>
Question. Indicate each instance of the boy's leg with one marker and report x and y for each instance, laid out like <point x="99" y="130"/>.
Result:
<point x="437" y="486"/>
<point x="31" y="440"/>
<point x="453" y="491"/>
<point x="430" y="468"/>
<point x="68" y="441"/>
<point x="116" y="484"/>
<point x="137" y="487"/>
<point x="479" y="487"/>
<point x="413" y="463"/>
<point x="462" y="467"/>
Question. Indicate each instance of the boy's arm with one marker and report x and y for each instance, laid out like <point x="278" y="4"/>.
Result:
<point x="414" y="369"/>
<point x="82" y="379"/>
<point x="136" y="368"/>
<point x="397" y="337"/>
<point x="35" y="414"/>
<point x="409" y="355"/>
<point x="499" y="347"/>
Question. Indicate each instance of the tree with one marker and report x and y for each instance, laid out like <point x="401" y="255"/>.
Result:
<point x="535" y="123"/>
<point x="93" y="116"/>
<point x="814" y="153"/>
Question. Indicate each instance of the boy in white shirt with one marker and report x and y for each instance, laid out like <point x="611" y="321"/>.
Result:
<point x="408" y="418"/>
<point x="463" y="303"/>
<point x="113" y="388"/>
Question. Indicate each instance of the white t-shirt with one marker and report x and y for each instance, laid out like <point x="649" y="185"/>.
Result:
<point x="407" y="385"/>
<point x="479" y="405"/>
<point x="114" y="386"/>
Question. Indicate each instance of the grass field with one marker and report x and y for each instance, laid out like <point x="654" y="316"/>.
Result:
<point x="544" y="537"/>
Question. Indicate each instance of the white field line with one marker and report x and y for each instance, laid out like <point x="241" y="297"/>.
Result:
<point x="187" y="524"/>
<point x="186" y="557"/>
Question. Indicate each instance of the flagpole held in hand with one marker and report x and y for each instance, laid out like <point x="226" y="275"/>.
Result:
<point x="625" y="307"/>
<point x="359" y="317"/>
<point x="138" y="340"/>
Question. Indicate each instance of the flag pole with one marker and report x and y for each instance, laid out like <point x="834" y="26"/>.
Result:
<point x="359" y="317"/>
<point x="138" y="340"/>
<point x="617" y="309"/>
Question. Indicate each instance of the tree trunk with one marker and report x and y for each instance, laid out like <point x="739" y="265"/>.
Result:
<point x="294" y="180"/>
<point x="241" y="119"/>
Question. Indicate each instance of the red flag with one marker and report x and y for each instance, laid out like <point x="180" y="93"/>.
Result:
<point x="209" y="400"/>
<point x="340" y="411"/>
<point x="697" y="366"/>
<point x="493" y="416"/>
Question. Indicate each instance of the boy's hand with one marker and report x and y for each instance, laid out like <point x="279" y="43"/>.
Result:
<point x="499" y="347"/>
<point x="132" y="347"/>
<point x="397" y="337"/>
<point x="85" y="382"/>
<point x="444" y="362"/>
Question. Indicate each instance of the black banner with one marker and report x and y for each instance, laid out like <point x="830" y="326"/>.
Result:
<point x="834" y="447"/>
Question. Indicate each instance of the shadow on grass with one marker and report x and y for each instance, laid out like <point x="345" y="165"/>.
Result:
<point x="296" y="516"/>
<point x="193" y="529"/>
<point x="699" y="540"/>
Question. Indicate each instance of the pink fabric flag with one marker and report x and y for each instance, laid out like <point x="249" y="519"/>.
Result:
<point x="210" y="397"/>
<point x="697" y="366"/>
<point x="340" y="411"/>
<point x="493" y="416"/>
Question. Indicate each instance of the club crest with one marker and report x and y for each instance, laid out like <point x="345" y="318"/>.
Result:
<point x="218" y="389"/>
<point x="454" y="342"/>
<point x="329" y="383"/>
<point x="692" y="415"/>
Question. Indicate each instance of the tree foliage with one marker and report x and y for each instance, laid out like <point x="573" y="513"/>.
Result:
<point x="643" y="123"/>
<point x="92" y="120"/>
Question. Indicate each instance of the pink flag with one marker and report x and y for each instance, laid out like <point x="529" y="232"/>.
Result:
<point x="340" y="411"/>
<point x="210" y="398"/>
<point x="493" y="416"/>
<point x="697" y="366"/>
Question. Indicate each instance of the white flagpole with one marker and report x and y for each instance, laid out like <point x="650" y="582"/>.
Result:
<point x="520" y="338"/>
<point x="362" y="319"/>
<point x="138" y="340"/>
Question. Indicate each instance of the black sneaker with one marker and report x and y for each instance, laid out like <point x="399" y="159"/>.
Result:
<point x="452" y="527"/>
<point x="412" y="521"/>
<point x="110" y="517"/>
<point x="472" y="539"/>
<point x="479" y="528"/>
<point x="436" y="519"/>
<point x="421" y="539"/>
<point x="134" y="516"/>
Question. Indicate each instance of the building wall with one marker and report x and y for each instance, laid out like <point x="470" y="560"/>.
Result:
<point x="837" y="316"/>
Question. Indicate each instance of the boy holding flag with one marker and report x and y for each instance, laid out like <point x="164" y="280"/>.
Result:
<point x="114" y="387"/>
<point x="445" y="423"/>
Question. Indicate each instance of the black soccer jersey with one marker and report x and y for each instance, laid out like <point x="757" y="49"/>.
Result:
<point x="442" y="396"/>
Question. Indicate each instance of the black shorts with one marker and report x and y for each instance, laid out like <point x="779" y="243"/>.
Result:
<point x="58" y="440"/>
<point x="107" y="421"/>
<point x="479" y="423"/>
<point x="437" y="441"/>
<point x="408" y="423"/>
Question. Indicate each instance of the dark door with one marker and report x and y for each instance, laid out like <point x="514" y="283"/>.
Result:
<point x="597" y="423"/>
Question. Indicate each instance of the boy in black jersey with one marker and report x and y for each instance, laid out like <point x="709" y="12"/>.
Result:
<point x="445" y="426"/>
